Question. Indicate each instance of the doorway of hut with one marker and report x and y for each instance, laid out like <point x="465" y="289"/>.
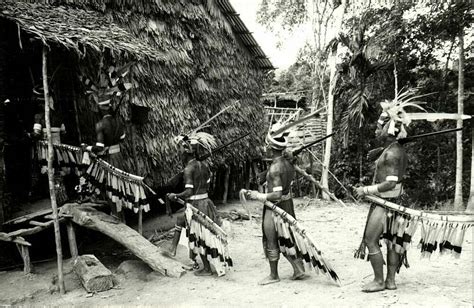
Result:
<point x="23" y="183"/>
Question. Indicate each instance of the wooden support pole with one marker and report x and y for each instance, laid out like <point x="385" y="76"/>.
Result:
<point x="71" y="235"/>
<point x="134" y="149"/>
<point x="52" y="192"/>
<point x="135" y="156"/>
<point x="226" y="183"/>
<point x="25" y="255"/>
<point x="140" y="220"/>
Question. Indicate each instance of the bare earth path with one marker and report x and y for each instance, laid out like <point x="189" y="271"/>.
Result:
<point x="440" y="281"/>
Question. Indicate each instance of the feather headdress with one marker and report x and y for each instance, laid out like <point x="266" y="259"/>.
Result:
<point x="277" y="141"/>
<point x="189" y="141"/>
<point x="394" y="112"/>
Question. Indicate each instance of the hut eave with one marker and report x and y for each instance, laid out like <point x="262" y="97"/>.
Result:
<point x="76" y="29"/>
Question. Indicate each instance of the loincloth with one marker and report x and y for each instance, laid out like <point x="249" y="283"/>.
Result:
<point x="287" y="206"/>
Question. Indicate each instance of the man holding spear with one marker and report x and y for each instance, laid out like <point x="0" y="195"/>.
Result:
<point x="279" y="178"/>
<point x="389" y="171"/>
<point x="196" y="184"/>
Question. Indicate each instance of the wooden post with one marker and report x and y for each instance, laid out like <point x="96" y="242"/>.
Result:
<point x="76" y="113"/>
<point x="140" y="220"/>
<point x="134" y="151"/>
<point x="226" y="184"/>
<point x="71" y="235"/>
<point x="52" y="193"/>
<point x="25" y="255"/>
<point x="247" y="173"/>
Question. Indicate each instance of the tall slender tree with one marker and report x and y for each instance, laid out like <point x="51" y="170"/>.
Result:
<point x="458" y="200"/>
<point x="470" y="202"/>
<point x="330" y="103"/>
<point x="322" y="16"/>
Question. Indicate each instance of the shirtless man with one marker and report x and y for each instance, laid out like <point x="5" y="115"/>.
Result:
<point x="196" y="185"/>
<point x="390" y="168"/>
<point x="110" y="132"/>
<point x="279" y="178"/>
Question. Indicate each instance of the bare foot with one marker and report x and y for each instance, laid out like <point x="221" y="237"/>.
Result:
<point x="373" y="286"/>
<point x="203" y="272"/>
<point x="269" y="280"/>
<point x="299" y="276"/>
<point x="390" y="285"/>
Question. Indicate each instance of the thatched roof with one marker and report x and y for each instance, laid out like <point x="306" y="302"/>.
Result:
<point x="203" y="64"/>
<point x="75" y="28"/>
<point x="244" y="34"/>
<point x="72" y="27"/>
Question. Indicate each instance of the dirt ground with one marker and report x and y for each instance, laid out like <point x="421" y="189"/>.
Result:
<point x="440" y="281"/>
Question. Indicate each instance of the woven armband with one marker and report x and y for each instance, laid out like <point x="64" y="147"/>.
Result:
<point x="371" y="190"/>
<point x="278" y="188"/>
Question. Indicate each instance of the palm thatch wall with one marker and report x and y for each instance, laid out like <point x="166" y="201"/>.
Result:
<point x="190" y="63"/>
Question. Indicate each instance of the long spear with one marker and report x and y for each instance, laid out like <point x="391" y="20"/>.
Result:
<point x="412" y="138"/>
<point x="304" y="147"/>
<point x="177" y="178"/>
<point x="201" y="158"/>
<point x="215" y="116"/>
<point x="311" y="115"/>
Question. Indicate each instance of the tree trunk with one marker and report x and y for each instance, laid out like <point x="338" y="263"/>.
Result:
<point x="52" y="192"/>
<point x="150" y="254"/>
<point x="330" y="108"/>
<point x="458" y="202"/>
<point x="470" y="203"/>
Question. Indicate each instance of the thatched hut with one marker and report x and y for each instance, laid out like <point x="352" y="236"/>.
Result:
<point x="192" y="58"/>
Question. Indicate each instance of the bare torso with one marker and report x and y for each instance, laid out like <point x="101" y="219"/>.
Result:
<point x="280" y="173"/>
<point x="392" y="162"/>
<point x="197" y="174"/>
<point x="110" y="130"/>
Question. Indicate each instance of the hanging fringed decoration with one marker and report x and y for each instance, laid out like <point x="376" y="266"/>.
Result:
<point x="124" y="189"/>
<point x="66" y="158"/>
<point x="398" y="230"/>
<point x="207" y="238"/>
<point x="445" y="230"/>
<point x="295" y="242"/>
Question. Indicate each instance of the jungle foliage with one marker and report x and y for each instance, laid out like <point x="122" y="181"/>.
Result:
<point x="421" y="44"/>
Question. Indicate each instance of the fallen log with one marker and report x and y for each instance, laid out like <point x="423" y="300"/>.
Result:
<point x="89" y="217"/>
